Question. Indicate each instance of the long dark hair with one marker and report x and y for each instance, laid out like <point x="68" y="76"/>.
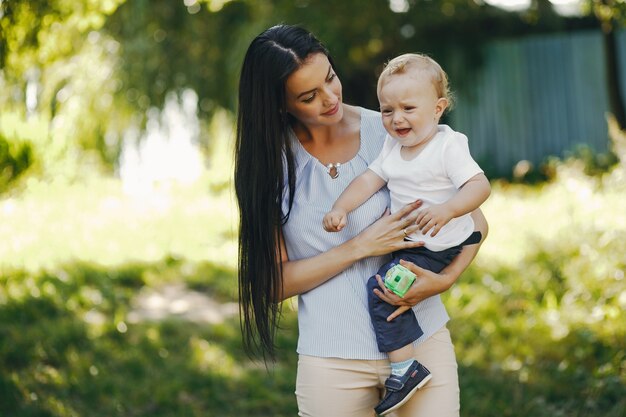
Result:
<point x="263" y="164"/>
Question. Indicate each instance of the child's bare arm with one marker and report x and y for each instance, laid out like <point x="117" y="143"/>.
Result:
<point x="469" y="197"/>
<point x="359" y="190"/>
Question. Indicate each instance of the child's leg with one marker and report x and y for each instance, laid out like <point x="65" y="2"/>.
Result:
<point x="395" y="336"/>
<point x="401" y="360"/>
<point x="405" y="353"/>
<point x="402" y="357"/>
<point x="407" y="374"/>
<point x="398" y="333"/>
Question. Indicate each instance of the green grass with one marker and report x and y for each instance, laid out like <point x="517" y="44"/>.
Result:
<point x="56" y="363"/>
<point x="537" y="320"/>
<point x="96" y="221"/>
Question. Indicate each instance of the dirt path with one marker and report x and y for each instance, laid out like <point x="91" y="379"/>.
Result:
<point x="177" y="300"/>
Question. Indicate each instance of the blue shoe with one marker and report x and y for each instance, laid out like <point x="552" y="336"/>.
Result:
<point x="401" y="388"/>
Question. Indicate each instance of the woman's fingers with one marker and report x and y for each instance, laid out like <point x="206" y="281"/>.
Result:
<point x="381" y="283"/>
<point x="383" y="292"/>
<point x="412" y="267"/>
<point x="383" y="296"/>
<point x="397" y="312"/>
<point x="386" y="295"/>
<point x="411" y="229"/>
<point x="406" y="211"/>
<point x="405" y="218"/>
<point x="413" y="244"/>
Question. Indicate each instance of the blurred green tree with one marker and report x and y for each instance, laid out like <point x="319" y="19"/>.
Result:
<point x="98" y="66"/>
<point x="166" y="46"/>
<point x="55" y="63"/>
<point x="611" y="14"/>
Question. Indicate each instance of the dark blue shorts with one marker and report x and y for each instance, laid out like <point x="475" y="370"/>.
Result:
<point x="404" y="329"/>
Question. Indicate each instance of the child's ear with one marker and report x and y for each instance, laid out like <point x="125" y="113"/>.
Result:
<point x="442" y="105"/>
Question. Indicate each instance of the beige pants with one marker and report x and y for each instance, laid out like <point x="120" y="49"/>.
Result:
<point x="329" y="387"/>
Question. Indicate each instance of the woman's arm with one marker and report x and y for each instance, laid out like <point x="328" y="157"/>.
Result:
<point x="384" y="236"/>
<point x="429" y="283"/>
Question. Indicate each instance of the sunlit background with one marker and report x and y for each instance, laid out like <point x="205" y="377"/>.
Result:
<point x="118" y="292"/>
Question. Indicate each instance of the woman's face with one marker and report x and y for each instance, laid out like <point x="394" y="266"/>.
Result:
<point x="313" y="92"/>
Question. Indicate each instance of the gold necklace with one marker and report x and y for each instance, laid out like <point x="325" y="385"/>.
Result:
<point x="333" y="170"/>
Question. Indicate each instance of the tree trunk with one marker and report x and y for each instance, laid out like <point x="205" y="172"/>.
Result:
<point x="616" y="101"/>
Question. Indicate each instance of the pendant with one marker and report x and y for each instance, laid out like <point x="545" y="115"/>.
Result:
<point x="333" y="170"/>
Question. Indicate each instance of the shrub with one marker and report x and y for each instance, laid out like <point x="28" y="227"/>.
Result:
<point x="16" y="156"/>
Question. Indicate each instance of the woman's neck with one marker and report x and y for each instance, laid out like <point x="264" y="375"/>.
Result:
<point x="327" y="133"/>
<point x="332" y="143"/>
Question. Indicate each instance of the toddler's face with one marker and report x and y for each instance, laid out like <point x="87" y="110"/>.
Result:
<point x="410" y="107"/>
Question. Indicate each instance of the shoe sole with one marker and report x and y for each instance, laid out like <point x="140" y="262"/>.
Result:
<point x="409" y="395"/>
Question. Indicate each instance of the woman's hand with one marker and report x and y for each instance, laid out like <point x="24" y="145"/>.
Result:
<point x="387" y="234"/>
<point x="429" y="283"/>
<point x="426" y="285"/>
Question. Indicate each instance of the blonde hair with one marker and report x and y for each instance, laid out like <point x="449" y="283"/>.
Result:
<point x="405" y="63"/>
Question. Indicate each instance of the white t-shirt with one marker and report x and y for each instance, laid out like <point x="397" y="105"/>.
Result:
<point x="433" y="176"/>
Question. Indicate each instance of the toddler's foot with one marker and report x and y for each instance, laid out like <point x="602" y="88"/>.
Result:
<point x="401" y="387"/>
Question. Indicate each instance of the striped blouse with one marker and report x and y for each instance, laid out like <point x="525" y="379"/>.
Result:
<point x="333" y="319"/>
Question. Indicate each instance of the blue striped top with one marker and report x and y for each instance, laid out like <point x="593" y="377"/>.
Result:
<point x="333" y="319"/>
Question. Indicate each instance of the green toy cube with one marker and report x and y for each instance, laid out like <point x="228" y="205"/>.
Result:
<point x="398" y="279"/>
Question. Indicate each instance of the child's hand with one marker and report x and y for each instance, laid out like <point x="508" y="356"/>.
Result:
<point x="335" y="220"/>
<point x="433" y="218"/>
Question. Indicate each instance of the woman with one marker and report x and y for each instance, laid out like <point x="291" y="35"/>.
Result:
<point x="298" y="146"/>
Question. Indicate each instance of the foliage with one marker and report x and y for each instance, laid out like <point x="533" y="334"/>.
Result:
<point x="50" y="155"/>
<point x="591" y="162"/>
<point x="550" y="330"/>
<point x="611" y="14"/>
<point x="94" y="68"/>
<point x="540" y="313"/>
<point x="15" y="158"/>
<point x="58" y="67"/>
<point x="38" y="33"/>
<point x="607" y="11"/>
<point x="360" y="38"/>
